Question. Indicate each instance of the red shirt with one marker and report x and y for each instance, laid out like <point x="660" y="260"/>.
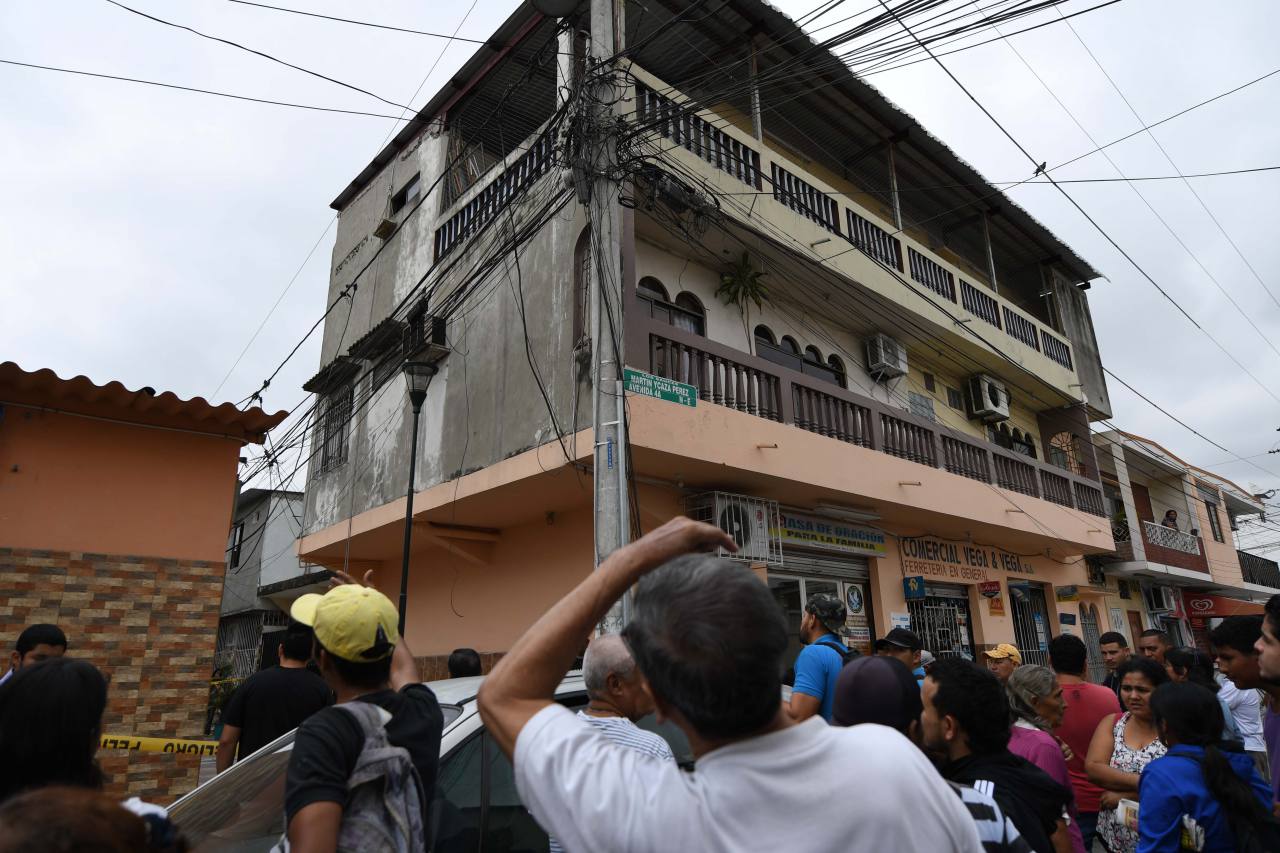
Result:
<point x="1087" y="704"/>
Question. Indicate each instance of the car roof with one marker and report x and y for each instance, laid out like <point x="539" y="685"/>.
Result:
<point x="460" y="691"/>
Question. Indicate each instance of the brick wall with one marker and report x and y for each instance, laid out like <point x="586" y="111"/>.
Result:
<point x="150" y="625"/>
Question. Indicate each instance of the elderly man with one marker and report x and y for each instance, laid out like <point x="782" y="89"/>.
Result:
<point x="1003" y="660"/>
<point x="709" y="638"/>
<point x="617" y="696"/>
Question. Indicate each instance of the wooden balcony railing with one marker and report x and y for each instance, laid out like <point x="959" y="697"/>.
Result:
<point x="1021" y="329"/>
<point x="805" y="199"/>
<point x="1259" y="570"/>
<point x="681" y="124"/>
<point x="1056" y="349"/>
<point x="748" y="383"/>
<point x="874" y="240"/>
<point x="979" y="303"/>
<point x="932" y="275"/>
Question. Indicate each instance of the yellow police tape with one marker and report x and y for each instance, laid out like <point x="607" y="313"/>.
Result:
<point x="160" y="744"/>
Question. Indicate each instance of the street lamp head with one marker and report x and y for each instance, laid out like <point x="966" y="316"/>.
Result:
<point x="417" y="376"/>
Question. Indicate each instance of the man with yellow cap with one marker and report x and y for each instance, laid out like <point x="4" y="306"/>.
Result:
<point x="364" y="660"/>
<point x="1003" y="660"/>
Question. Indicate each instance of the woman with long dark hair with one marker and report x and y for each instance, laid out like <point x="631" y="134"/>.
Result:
<point x="50" y="725"/>
<point x="1201" y="796"/>
<point x="1196" y="667"/>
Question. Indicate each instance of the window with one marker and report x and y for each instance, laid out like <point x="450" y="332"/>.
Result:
<point x="1063" y="451"/>
<point x="1021" y="442"/>
<point x="955" y="399"/>
<point x="929" y="384"/>
<point x="333" y="424"/>
<point x="837" y="370"/>
<point x="691" y="317"/>
<point x="764" y="333"/>
<point x="581" y="285"/>
<point x="812" y="355"/>
<point x="407" y="195"/>
<point x="237" y="540"/>
<point x="650" y="288"/>
<point x="1215" y="523"/>
<point x="789" y="344"/>
<point x="921" y="406"/>
<point x="686" y="312"/>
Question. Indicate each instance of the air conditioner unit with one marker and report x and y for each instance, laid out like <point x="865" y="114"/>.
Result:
<point x="1160" y="599"/>
<point x="753" y="523"/>
<point x="988" y="398"/>
<point x="886" y="358"/>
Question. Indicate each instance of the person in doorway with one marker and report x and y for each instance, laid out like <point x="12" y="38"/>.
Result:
<point x="1154" y="643"/>
<point x="1234" y="642"/>
<point x="368" y="665"/>
<point x="1087" y="705"/>
<point x="1003" y="660"/>
<point x="1196" y="667"/>
<point x="618" y="696"/>
<point x="1170" y="519"/>
<point x="1035" y="700"/>
<point x="819" y="662"/>
<point x="710" y="639"/>
<point x="1268" y="648"/>
<point x="1115" y="651"/>
<point x="965" y="726"/>
<point x="464" y="663"/>
<point x="274" y="701"/>
<point x="1122" y="747"/>
<point x="1202" y="789"/>
<point x="905" y="645"/>
<point x="881" y="691"/>
<point x="36" y="643"/>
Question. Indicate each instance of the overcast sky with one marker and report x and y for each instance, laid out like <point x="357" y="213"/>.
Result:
<point x="148" y="231"/>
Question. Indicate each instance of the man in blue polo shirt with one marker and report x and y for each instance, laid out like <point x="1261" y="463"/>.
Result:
<point x="819" y="663"/>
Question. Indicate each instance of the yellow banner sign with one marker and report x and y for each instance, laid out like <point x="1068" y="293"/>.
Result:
<point x="177" y="746"/>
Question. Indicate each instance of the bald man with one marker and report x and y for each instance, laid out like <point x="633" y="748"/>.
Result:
<point x="617" y="696"/>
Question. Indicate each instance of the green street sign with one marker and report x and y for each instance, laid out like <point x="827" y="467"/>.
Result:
<point x="639" y="382"/>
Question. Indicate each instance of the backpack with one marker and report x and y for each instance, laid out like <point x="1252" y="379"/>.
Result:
<point x="384" y="803"/>
<point x="846" y="656"/>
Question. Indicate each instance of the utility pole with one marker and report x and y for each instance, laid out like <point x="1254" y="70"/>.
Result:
<point x="612" y="522"/>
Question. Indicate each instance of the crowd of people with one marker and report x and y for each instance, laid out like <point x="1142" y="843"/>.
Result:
<point x="1175" y="749"/>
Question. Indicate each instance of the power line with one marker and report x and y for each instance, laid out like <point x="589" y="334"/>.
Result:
<point x="198" y="90"/>
<point x="260" y="53"/>
<point x="454" y="37"/>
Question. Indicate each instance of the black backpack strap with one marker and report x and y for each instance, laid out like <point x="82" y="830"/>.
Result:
<point x="846" y="655"/>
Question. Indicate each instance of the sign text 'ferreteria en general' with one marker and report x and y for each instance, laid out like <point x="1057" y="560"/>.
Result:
<point x="938" y="558"/>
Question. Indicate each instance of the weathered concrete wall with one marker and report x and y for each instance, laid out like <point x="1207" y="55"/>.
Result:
<point x="279" y="559"/>
<point x="1077" y="323"/>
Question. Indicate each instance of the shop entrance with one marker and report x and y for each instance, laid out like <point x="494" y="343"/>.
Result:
<point x="943" y="621"/>
<point x="1089" y="627"/>
<point x="847" y="579"/>
<point x="1030" y="621"/>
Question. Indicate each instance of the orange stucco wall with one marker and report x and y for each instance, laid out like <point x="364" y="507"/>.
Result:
<point x="70" y="483"/>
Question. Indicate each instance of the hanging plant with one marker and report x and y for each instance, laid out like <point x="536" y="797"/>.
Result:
<point x="742" y="283"/>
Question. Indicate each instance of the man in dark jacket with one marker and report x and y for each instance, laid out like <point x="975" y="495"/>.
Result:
<point x="965" y="726"/>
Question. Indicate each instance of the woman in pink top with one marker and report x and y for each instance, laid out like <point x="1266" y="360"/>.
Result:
<point x="1035" y="698"/>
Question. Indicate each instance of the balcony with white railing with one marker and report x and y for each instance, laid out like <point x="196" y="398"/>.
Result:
<point x="1168" y="537"/>
<point x="890" y="260"/>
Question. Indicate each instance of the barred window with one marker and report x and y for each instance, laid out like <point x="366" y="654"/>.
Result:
<point x="334" y="427"/>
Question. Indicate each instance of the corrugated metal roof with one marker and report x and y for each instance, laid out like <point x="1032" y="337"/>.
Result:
<point x="80" y="395"/>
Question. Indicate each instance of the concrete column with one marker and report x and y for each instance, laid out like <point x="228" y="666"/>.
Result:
<point x="1130" y="508"/>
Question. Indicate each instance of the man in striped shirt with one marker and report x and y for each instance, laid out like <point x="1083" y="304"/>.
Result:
<point x="617" y="696"/>
<point x="882" y="691"/>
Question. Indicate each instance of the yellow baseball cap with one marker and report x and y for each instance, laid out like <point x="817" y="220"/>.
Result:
<point x="1004" y="650"/>
<point x="356" y="623"/>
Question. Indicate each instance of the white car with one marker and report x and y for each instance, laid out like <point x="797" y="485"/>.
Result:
<point x="476" y="806"/>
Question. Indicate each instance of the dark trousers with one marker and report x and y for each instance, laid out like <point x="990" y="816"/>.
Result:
<point x="1088" y="822"/>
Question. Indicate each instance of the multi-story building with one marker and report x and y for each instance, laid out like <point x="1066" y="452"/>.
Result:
<point x="899" y="416"/>
<point x="1177" y="565"/>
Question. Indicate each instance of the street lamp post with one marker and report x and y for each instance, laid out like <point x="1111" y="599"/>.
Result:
<point x="417" y="376"/>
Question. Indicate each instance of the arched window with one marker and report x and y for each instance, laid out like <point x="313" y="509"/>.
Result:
<point x="789" y="344"/>
<point x="691" y="317"/>
<point x="1000" y="436"/>
<point x="1063" y="450"/>
<point x="650" y="288"/>
<point x="581" y="285"/>
<point x="812" y="355"/>
<point x="837" y="370"/>
<point x="764" y="333"/>
<point x="1022" y="443"/>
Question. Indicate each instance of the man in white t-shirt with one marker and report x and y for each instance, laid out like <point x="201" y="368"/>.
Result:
<point x="710" y="639"/>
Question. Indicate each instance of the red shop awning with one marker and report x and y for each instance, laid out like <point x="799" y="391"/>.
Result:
<point x="1206" y="604"/>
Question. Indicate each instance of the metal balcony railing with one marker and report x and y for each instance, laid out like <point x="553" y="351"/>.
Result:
<point x="1167" y="537"/>
<point x="1259" y="570"/>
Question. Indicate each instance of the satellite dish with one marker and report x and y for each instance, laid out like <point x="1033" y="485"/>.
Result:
<point x="556" y="8"/>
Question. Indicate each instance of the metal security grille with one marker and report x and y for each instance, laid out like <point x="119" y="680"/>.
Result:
<point x="1089" y="627"/>
<point x="943" y="622"/>
<point x="1030" y="622"/>
<point x="752" y="522"/>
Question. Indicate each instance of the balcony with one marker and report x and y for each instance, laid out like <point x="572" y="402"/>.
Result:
<point x="729" y="377"/>
<point x="1163" y="545"/>
<point x="1259" y="570"/>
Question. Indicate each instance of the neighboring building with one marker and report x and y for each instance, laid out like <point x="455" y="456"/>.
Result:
<point x="1179" y="576"/>
<point x="114" y="511"/>
<point x="264" y="576"/>
<point x="911" y="402"/>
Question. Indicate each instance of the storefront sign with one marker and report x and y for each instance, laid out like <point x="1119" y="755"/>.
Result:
<point x="1066" y="618"/>
<point x="995" y="599"/>
<point x="1067" y="593"/>
<point x="648" y="385"/>
<point x="826" y="534"/>
<point x="913" y="588"/>
<point x="938" y="558"/>
<point x="1207" y="605"/>
<point x="853" y="597"/>
<point x="900" y="620"/>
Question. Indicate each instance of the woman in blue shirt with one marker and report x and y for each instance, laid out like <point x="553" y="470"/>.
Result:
<point x="1200" y="796"/>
